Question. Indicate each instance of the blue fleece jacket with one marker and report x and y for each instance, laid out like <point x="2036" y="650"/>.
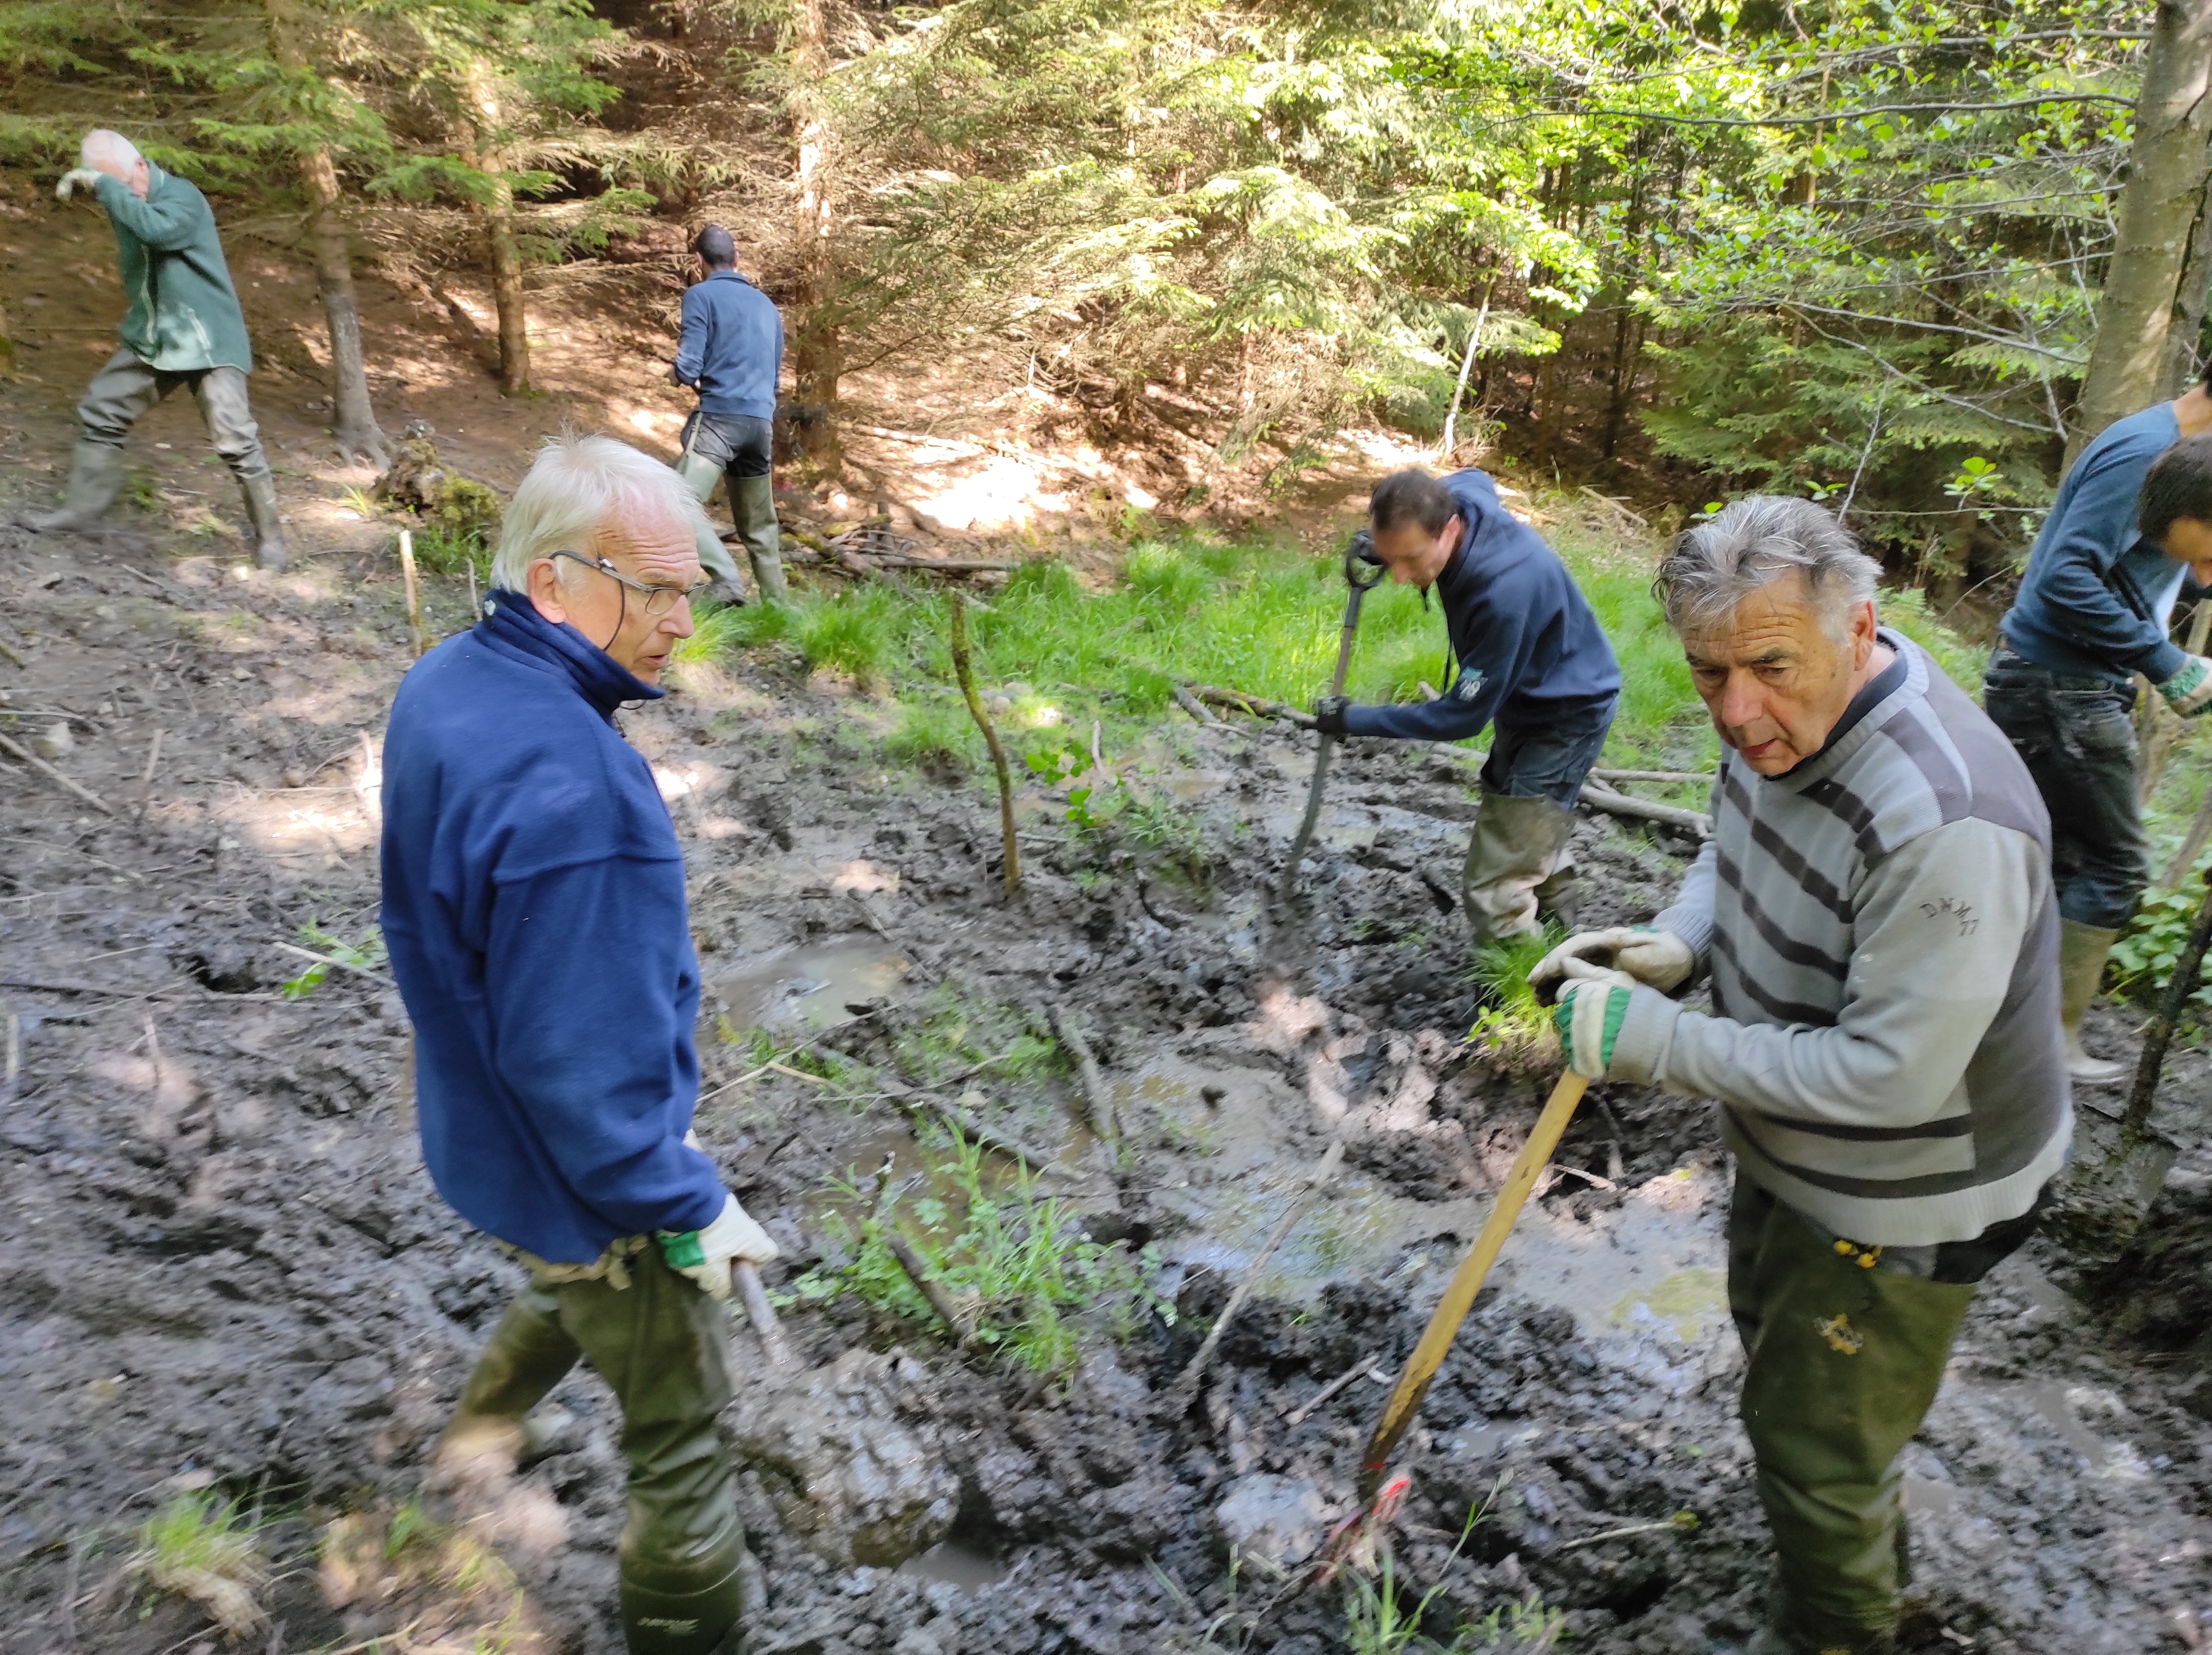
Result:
<point x="731" y="346"/>
<point x="2097" y="597"/>
<point x="534" y="907"/>
<point x="1531" y="654"/>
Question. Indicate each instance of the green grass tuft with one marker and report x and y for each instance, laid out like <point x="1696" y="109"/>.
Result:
<point x="201" y="1546"/>
<point x="1005" y="1255"/>
<point x="1512" y="1022"/>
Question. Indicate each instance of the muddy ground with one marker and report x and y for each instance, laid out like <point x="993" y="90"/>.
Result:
<point x="228" y="1268"/>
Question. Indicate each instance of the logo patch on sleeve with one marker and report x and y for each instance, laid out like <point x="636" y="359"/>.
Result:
<point x="1469" y="687"/>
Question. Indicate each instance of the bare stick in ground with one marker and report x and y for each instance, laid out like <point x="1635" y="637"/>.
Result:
<point x="1185" y="1383"/>
<point x="967" y="677"/>
<point x="745" y="1275"/>
<point x="10" y="746"/>
<point x="877" y="926"/>
<point x="932" y="1289"/>
<point x="414" y="597"/>
<point x="1360" y="1370"/>
<point x="9" y="650"/>
<point x="1100" y="1102"/>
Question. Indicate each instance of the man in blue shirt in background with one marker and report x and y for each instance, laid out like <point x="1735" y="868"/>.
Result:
<point x="2093" y="607"/>
<point x="534" y="906"/>
<point x="1531" y="658"/>
<point x="731" y="348"/>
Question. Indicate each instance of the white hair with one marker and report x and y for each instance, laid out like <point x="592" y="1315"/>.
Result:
<point x="576" y="486"/>
<point x="1752" y="542"/>
<point x="100" y="144"/>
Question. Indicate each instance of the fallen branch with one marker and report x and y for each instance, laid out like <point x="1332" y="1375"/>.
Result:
<point x="1259" y="706"/>
<point x="1318" y="1180"/>
<point x="1680" y="1522"/>
<point x="1598" y="797"/>
<point x="930" y="1288"/>
<point x="1095" y="1094"/>
<point x="946" y="564"/>
<point x="1197" y="709"/>
<point x="9" y="650"/>
<point x="376" y="977"/>
<point x="961" y="670"/>
<point x="9" y="745"/>
<point x="1360" y="1370"/>
<point x="1654" y="775"/>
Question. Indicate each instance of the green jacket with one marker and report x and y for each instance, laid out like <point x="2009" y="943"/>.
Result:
<point x="184" y="312"/>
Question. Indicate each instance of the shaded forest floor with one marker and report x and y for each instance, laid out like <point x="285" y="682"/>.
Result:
<point x="232" y="1276"/>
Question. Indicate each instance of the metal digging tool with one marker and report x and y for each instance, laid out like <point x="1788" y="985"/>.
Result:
<point x="1467" y="1281"/>
<point x="1362" y="575"/>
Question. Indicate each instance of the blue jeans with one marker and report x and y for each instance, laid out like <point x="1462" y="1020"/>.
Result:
<point x="1541" y="763"/>
<point x="2076" y="738"/>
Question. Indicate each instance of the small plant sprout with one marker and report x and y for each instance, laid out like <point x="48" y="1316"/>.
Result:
<point x="367" y="955"/>
<point x="1512" y="1022"/>
<point x="206" y="1549"/>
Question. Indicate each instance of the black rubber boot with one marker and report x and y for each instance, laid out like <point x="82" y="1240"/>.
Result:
<point x="666" y="1611"/>
<point x="95" y="478"/>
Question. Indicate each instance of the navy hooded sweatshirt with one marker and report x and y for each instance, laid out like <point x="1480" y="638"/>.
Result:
<point x="1530" y="651"/>
<point x="534" y="907"/>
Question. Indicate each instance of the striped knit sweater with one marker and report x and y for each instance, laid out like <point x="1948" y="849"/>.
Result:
<point x="1882" y="941"/>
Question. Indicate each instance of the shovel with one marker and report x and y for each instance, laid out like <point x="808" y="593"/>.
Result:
<point x="1362" y="575"/>
<point x="2105" y="1203"/>
<point x="1467" y="1281"/>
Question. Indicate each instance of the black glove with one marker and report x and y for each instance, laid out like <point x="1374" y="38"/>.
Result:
<point x="1329" y="714"/>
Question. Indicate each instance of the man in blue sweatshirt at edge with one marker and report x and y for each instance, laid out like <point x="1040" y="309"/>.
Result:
<point x="2093" y="607"/>
<point x="1531" y="658"/>
<point x="731" y="348"/>
<point x="534" y="906"/>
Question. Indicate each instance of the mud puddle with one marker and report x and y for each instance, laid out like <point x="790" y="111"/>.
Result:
<point x="805" y="990"/>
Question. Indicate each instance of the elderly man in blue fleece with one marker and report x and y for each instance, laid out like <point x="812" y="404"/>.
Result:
<point x="534" y="906"/>
<point x="2093" y="607"/>
<point x="731" y="348"/>
<point x="1532" y="660"/>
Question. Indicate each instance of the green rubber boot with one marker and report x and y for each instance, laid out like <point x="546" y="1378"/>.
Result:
<point x="95" y="478"/>
<point x="665" y="1610"/>
<point x="1514" y="860"/>
<point x="265" y="522"/>
<point x="752" y="499"/>
<point x="700" y="475"/>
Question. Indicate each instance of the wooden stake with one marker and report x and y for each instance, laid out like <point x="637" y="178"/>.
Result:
<point x="1102" y="1120"/>
<point x="967" y="677"/>
<point x="414" y="597"/>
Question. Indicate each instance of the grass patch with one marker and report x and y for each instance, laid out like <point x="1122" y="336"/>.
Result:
<point x="1007" y="1255"/>
<point x="954" y="1035"/>
<point x="1511" y="1021"/>
<point x="206" y="1549"/>
<point x="716" y="631"/>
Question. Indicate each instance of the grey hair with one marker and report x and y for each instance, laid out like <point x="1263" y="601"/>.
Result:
<point x="1713" y="566"/>
<point x="101" y="144"/>
<point x="575" y="486"/>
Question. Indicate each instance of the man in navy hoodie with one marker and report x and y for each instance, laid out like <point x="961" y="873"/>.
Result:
<point x="534" y="906"/>
<point x="731" y="349"/>
<point x="2092" y="609"/>
<point x="1532" y="661"/>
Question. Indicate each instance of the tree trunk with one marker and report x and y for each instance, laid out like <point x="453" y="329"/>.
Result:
<point x="2130" y="364"/>
<point x="488" y="157"/>
<point x="353" y="417"/>
<point x="817" y="357"/>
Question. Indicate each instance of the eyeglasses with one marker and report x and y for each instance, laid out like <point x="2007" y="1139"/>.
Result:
<point x="658" y="600"/>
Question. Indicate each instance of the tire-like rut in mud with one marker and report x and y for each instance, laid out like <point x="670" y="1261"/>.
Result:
<point x="227" y="1268"/>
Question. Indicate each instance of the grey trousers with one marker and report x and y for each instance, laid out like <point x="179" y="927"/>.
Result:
<point x="125" y="388"/>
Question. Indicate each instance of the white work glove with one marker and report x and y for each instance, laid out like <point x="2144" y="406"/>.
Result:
<point x="1592" y="1004"/>
<point x="77" y="179"/>
<point x="2189" y="692"/>
<point x="706" y="1255"/>
<point x="1657" y="958"/>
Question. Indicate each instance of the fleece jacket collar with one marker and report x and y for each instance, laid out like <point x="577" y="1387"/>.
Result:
<point x="512" y="627"/>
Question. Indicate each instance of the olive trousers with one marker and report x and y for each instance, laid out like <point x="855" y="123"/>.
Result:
<point x="662" y="1346"/>
<point x="1844" y="1358"/>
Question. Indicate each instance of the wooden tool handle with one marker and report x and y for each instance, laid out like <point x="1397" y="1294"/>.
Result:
<point x="761" y="1315"/>
<point x="1466" y="1281"/>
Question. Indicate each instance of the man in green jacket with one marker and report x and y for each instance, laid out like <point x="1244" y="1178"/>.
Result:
<point x="183" y="328"/>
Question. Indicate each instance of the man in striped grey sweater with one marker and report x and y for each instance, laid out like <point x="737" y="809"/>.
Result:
<point x="1875" y="911"/>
